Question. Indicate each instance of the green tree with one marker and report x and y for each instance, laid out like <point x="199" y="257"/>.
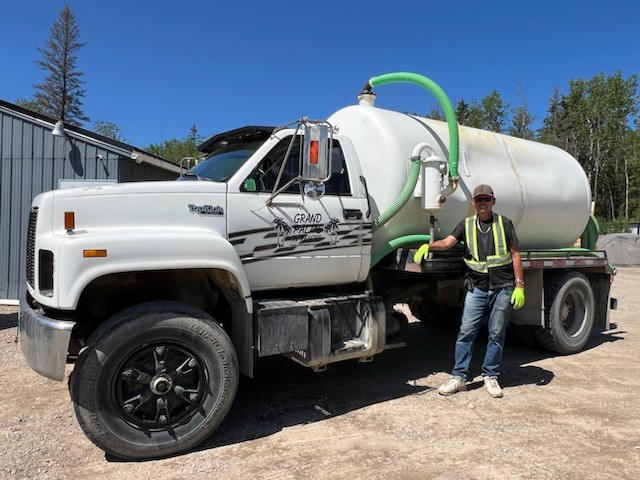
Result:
<point x="437" y="114"/>
<point x="494" y="112"/>
<point x="31" y="104"/>
<point x="488" y="114"/>
<point x="462" y="112"/>
<point x="521" y="120"/>
<point x="474" y="115"/>
<point x="109" y="130"/>
<point x="176" y="150"/>
<point x="61" y="93"/>
<point x="550" y="131"/>
<point x="593" y="124"/>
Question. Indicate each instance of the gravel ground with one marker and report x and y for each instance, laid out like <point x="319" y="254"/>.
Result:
<point x="562" y="417"/>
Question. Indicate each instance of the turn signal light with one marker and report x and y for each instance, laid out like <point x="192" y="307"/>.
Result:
<point x="94" y="253"/>
<point x="69" y="220"/>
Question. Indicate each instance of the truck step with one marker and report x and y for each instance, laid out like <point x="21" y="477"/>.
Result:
<point x="348" y="346"/>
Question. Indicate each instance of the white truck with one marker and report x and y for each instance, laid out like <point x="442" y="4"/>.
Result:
<point x="292" y="241"/>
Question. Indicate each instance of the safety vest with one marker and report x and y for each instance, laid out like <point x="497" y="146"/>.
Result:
<point x="502" y="254"/>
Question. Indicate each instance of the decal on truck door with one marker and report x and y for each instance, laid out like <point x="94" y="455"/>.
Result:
<point x="306" y="228"/>
<point x="306" y="233"/>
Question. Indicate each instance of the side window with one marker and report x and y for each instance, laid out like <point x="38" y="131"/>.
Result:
<point x="338" y="184"/>
<point x="264" y="176"/>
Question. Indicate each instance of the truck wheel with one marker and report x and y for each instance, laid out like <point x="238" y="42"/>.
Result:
<point x="570" y="313"/>
<point x="154" y="380"/>
<point x="436" y="315"/>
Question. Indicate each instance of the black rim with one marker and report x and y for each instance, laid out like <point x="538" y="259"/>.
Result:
<point x="159" y="385"/>
<point x="572" y="313"/>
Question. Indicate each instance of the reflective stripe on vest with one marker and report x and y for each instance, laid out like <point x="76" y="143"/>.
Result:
<point x="502" y="254"/>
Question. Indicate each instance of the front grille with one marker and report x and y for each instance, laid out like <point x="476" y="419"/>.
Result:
<point x="31" y="246"/>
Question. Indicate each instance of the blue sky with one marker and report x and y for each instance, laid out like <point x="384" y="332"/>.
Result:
<point x="155" y="68"/>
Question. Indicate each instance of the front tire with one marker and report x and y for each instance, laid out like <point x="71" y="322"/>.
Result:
<point x="570" y="313"/>
<point x="155" y="380"/>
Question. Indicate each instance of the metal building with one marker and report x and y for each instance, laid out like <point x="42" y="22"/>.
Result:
<point x="38" y="154"/>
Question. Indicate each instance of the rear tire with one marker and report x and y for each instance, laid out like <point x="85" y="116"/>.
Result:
<point x="154" y="380"/>
<point x="569" y="313"/>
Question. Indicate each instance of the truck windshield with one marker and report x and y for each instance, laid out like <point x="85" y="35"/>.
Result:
<point x="223" y="163"/>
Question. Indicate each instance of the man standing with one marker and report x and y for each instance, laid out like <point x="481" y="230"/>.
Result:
<point x="494" y="286"/>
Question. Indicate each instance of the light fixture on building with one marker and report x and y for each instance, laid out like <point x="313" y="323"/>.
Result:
<point x="58" y="129"/>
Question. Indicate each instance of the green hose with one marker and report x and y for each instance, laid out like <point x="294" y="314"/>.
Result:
<point x="445" y="103"/>
<point x="414" y="171"/>
<point x="405" y="194"/>
<point x="396" y="243"/>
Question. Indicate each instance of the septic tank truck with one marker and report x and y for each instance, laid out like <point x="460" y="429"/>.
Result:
<point x="293" y="241"/>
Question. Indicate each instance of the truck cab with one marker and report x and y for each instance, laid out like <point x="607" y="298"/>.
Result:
<point x="289" y="230"/>
<point x="167" y="291"/>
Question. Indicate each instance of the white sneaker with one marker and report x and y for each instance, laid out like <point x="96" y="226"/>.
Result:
<point x="493" y="387"/>
<point x="453" y="385"/>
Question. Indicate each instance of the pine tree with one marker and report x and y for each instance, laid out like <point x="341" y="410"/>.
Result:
<point x="60" y="94"/>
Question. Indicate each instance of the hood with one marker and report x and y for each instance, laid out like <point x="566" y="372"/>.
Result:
<point x="137" y="205"/>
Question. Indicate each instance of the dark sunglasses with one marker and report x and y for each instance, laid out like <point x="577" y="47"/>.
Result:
<point x="483" y="199"/>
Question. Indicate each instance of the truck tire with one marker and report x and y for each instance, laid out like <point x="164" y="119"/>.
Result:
<point x="154" y="380"/>
<point x="569" y="313"/>
<point x="437" y="315"/>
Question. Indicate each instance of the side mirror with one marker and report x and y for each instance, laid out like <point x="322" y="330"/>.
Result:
<point x="316" y="151"/>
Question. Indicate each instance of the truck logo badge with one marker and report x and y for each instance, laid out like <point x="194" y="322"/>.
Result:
<point x="206" y="209"/>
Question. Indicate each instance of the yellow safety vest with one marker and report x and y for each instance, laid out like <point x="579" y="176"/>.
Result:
<point x="502" y="253"/>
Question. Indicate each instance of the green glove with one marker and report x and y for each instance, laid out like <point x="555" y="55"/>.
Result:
<point x="517" y="298"/>
<point x="421" y="254"/>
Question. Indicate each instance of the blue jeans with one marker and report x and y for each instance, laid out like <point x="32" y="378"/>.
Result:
<point x="495" y="307"/>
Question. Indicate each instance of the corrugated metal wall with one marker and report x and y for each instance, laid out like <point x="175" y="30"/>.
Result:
<point x="132" y="172"/>
<point x="33" y="161"/>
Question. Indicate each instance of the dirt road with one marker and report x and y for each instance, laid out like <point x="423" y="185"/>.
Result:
<point x="572" y="417"/>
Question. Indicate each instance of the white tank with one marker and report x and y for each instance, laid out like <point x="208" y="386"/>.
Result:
<point x="541" y="188"/>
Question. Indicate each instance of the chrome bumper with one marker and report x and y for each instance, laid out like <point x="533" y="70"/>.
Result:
<point x="44" y="341"/>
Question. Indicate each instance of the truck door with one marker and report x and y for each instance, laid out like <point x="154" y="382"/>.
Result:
<point x="308" y="234"/>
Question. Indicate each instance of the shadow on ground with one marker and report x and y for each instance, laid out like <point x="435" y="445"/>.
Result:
<point x="283" y="394"/>
<point x="8" y="320"/>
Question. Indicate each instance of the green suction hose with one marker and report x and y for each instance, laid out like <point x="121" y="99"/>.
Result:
<point x="396" y="243"/>
<point x="405" y="194"/>
<point x="414" y="172"/>
<point x="445" y="103"/>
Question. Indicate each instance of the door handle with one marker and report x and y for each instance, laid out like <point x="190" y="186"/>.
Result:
<point x="352" y="213"/>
